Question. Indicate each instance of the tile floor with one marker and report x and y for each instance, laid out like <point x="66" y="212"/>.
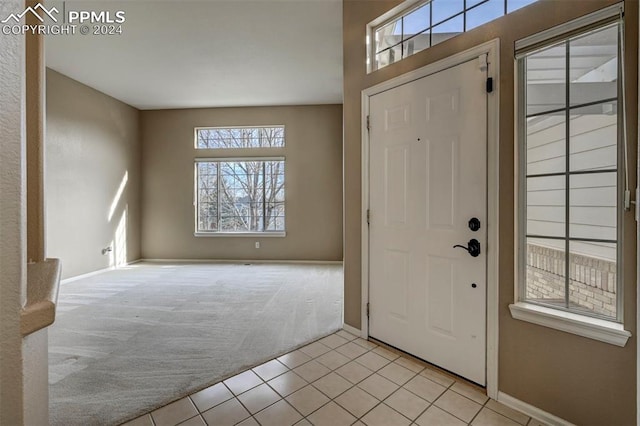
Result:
<point x="338" y="380"/>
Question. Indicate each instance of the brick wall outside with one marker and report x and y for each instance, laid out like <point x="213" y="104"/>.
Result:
<point x="592" y="282"/>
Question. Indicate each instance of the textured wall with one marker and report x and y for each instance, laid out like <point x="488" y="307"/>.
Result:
<point x="92" y="149"/>
<point x="313" y="183"/>
<point x="12" y="220"/>
<point x="538" y="365"/>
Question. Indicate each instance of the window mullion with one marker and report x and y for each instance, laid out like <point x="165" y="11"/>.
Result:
<point x="567" y="195"/>
<point x="218" y="219"/>
<point x="264" y="184"/>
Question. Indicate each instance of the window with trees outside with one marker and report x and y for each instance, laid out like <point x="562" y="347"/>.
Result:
<point x="239" y="137"/>
<point x="241" y="195"/>
<point x="570" y="129"/>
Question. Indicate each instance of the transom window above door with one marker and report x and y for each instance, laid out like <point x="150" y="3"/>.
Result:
<point x="417" y="25"/>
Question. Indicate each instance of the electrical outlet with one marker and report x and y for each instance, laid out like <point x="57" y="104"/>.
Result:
<point x="257" y="244"/>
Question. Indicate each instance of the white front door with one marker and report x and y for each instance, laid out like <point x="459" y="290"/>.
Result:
<point x="428" y="159"/>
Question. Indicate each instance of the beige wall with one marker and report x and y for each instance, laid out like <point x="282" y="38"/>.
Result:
<point x="581" y="380"/>
<point x="92" y="140"/>
<point x="313" y="183"/>
<point x="13" y="219"/>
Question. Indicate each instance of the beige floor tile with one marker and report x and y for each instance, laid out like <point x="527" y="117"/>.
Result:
<point x="434" y="416"/>
<point x="194" y="421"/>
<point x="365" y="343"/>
<point x="211" y="396"/>
<point x="294" y="359"/>
<point x="249" y="422"/>
<point x="333" y="360"/>
<point x="346" y="335"/>
<point x="258" y="398"/>
<point x="383" y="415"/>
<point x="307" y="400"/>
<point x="386" y="353"/>
<point x="331" y="415"/>
<point x="304" y="422"/>
<point x="470" y="392"/>
<point x="396" y="373"/>
<point x="332" y="385"/>
<point x="315" y="349"/>
<point x="514" y="415"/>
<point x="333" y="341"/>
<point x="406" y="403"/>
<point x="410" y="364"/>
<point x="354" y="372"/>
<point x="140" y="421"/>
<point x="372" y="361"/>
<point x="174" y="413"/>
<point x="356" y="401"/>
<point x="279" y="414"/>
<point x="271" y="369"/>
<point x="287" y="383"/>
<point x="226" y="414"/>
<point x="488" y="417"/>
<point x="351" y="350"/>
<point x="534" y="422"/>
<point x="359" y="423"/>
<point x="243" y="382"/>
<point x="437" y="377"/>
<point x="425" y="388"/>
<point x="378" y="386"/>
<point x="311" y="371"/>
<point x="458" y="405"/>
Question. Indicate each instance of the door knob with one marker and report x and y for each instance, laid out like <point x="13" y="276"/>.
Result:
<point x="473" y="247"/>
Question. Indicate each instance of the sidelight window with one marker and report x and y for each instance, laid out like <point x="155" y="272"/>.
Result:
<point x="570" y="154"/>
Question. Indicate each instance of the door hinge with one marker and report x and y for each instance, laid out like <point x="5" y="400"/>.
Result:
<point x="368" y="310"/>
<point x="489" y="84"/>
<point x="368" y="217"/>
<point x="368" y="123"/>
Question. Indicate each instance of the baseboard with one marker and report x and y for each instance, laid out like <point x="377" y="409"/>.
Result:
<point x="352" y="330"/>
<point x="87" y="275"/>
<point x="312" y="262"/>
<point x="98" y="272"/>
<point x="532" y="411"/>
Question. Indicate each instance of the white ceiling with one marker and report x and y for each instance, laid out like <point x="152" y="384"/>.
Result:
<point x="215" y="53"/>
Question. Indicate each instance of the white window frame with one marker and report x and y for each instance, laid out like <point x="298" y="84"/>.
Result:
<point x="260" y="234"/>
<point x="197" y="129"/>
<point x="608" y="331"/>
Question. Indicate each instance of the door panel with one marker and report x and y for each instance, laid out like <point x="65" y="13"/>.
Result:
<point x="427" y="179"/>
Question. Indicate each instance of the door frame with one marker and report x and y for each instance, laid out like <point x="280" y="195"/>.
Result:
<point x="492" y="49"/>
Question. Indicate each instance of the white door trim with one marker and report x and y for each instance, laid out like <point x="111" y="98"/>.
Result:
<point x="492" y="49"/>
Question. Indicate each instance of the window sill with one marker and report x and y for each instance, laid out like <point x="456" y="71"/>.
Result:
<point x="241" y="234"/>
<point x="592" y="328"/>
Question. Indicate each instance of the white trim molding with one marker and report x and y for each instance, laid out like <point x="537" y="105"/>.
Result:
<point x="255" y="261"/>
<point x="266" y="234"/>
<point x="98" y="272"/>
<point x="592" y="328"/>
<point x="531" y="411"/>
<point x="492" y="50"/>
<point x="352" y="330"/>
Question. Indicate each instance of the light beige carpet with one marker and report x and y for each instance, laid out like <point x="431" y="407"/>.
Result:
<point x="131" y="340"/>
